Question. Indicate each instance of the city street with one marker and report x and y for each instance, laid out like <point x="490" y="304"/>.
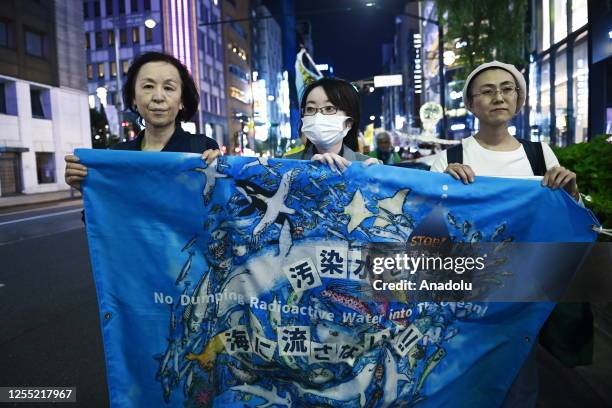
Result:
<point x="50" y="329"/>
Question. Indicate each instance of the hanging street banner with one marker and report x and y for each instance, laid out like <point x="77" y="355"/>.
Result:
<point x="257" y="282"/>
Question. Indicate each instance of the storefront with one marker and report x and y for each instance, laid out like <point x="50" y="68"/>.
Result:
<point x="558" y="97"/>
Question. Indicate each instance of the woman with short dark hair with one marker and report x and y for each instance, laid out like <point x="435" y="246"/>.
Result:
<point x="330" y="122"/>
<point x="160" y="90"/>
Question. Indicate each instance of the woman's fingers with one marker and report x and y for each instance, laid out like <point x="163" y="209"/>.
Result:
<point x="461" y="172"/>
<point x="76" y="172"/>
<point x="211" y="155"/>
<point x="71" y="158"/>
<point x="371" y="161"/>
<point x="334" y="161"/>
<point x="549" y="177"/>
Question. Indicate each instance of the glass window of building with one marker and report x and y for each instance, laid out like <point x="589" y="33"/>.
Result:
<point x="533" y="103"/>
<point x="5" y="34"/>
<point x="36" y="103"/>
<point x="544" y="114"/>
<point x="96" y="5"/>
<point x="89" y="71"/>
<point x="205" y="13"/>
<point x="111" y="37"/>
<point x="545" y="24"/>
<point x="98" y="39"/>
<point x="109" y="7"/>
<point x="86" y="10"/>
<point x="135" y="35"/>
<point x="45" y="167"/>
<point x="123" y="36"/>
<point x="561" y="113"/>
<point x="210" y="49"/>
<point x="581" y="89"/>
<point x="148" y="34"/>
<point x="34" y="43"/>
<point x="101" y="70"/>
<point x="126" y="66"/>
<point x="113" y="69"/>
<point x="205" y="100"/>
<point x="579" y="14"/>
<point x="121" y="6"/>
<point x="134" y="6"/>
<point x="87" y="41"/>
<point x="147" y="5"/>
<point x="219" y="51"/>
<point x="560" y="20"/>
<point x="2" y="98"/>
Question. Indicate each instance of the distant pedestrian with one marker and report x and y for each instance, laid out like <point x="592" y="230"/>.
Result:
<point x="385" y="152"/>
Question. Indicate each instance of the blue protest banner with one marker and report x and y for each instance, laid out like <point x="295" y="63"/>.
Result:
<point x="242" y="283"/>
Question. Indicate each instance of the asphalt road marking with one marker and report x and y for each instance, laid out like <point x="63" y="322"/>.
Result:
<point x="37" y="217"/>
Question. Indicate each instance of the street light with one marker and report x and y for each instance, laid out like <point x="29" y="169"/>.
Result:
<point x="150" y="23"/>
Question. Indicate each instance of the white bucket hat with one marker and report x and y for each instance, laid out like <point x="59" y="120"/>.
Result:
<point x="518" y="77"/>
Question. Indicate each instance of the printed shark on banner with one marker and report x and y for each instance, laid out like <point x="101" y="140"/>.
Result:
<point x="257" y="294"/>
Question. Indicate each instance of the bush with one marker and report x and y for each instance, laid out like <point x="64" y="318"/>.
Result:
<point x="592" y="163"/>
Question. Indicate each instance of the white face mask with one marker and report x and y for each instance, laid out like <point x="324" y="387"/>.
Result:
<point x="324" y="131"/>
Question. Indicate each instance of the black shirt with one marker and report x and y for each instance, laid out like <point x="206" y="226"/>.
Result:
<point x="180" y="141"/>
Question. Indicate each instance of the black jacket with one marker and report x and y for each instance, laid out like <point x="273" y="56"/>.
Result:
<point x="180" y="141"/>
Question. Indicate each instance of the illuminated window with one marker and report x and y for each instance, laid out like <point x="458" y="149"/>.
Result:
<point x="100" y="70"/>
<point x="579" y="14"/>
<point x="111" y="37"/>
<point x="113" y="69"/>
<point x="560" y="8"/>
<point x="89" y="71"/>
<point x="135" y="35"/>
<point x="545" y="24"/>
<point x="581" y="89"/>
<point x="561" y="114"/>
<point x="148" y="34"/>
<point x="45" y="167"/>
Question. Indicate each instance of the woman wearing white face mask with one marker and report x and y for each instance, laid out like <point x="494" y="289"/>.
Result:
<point x="330" y="122"/>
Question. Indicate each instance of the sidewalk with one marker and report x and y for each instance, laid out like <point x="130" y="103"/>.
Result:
<point x="33" y="199"/>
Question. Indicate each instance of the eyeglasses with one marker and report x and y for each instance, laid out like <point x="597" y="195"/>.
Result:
<point x="490" y="93"/>
<point x="326" y="110"/>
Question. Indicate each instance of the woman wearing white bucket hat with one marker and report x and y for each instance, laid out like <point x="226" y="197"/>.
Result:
<point x="495" y="92"/>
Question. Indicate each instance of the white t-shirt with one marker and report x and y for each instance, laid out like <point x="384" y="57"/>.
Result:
<point x="493" y="163"/>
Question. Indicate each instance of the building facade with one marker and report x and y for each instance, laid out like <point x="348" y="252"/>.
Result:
<point x="176" y="27"/>
<point x="238" y="75"/>
<point x="270" y="100"/>
<point x="404" y="56"/>
<point x="213" y="106"/>
<point x="43" y="93"/>
<point x="558" y="108"/>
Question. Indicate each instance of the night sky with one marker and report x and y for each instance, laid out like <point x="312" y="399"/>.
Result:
<point x="351" y="41"/>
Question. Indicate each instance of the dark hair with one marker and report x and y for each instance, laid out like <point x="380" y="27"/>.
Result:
<point x="189" y="92"/>
<point x="344" y="97"/>
<point x="469" y="87"/>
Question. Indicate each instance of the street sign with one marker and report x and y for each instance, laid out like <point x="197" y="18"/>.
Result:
<point x="381" y="81"/>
